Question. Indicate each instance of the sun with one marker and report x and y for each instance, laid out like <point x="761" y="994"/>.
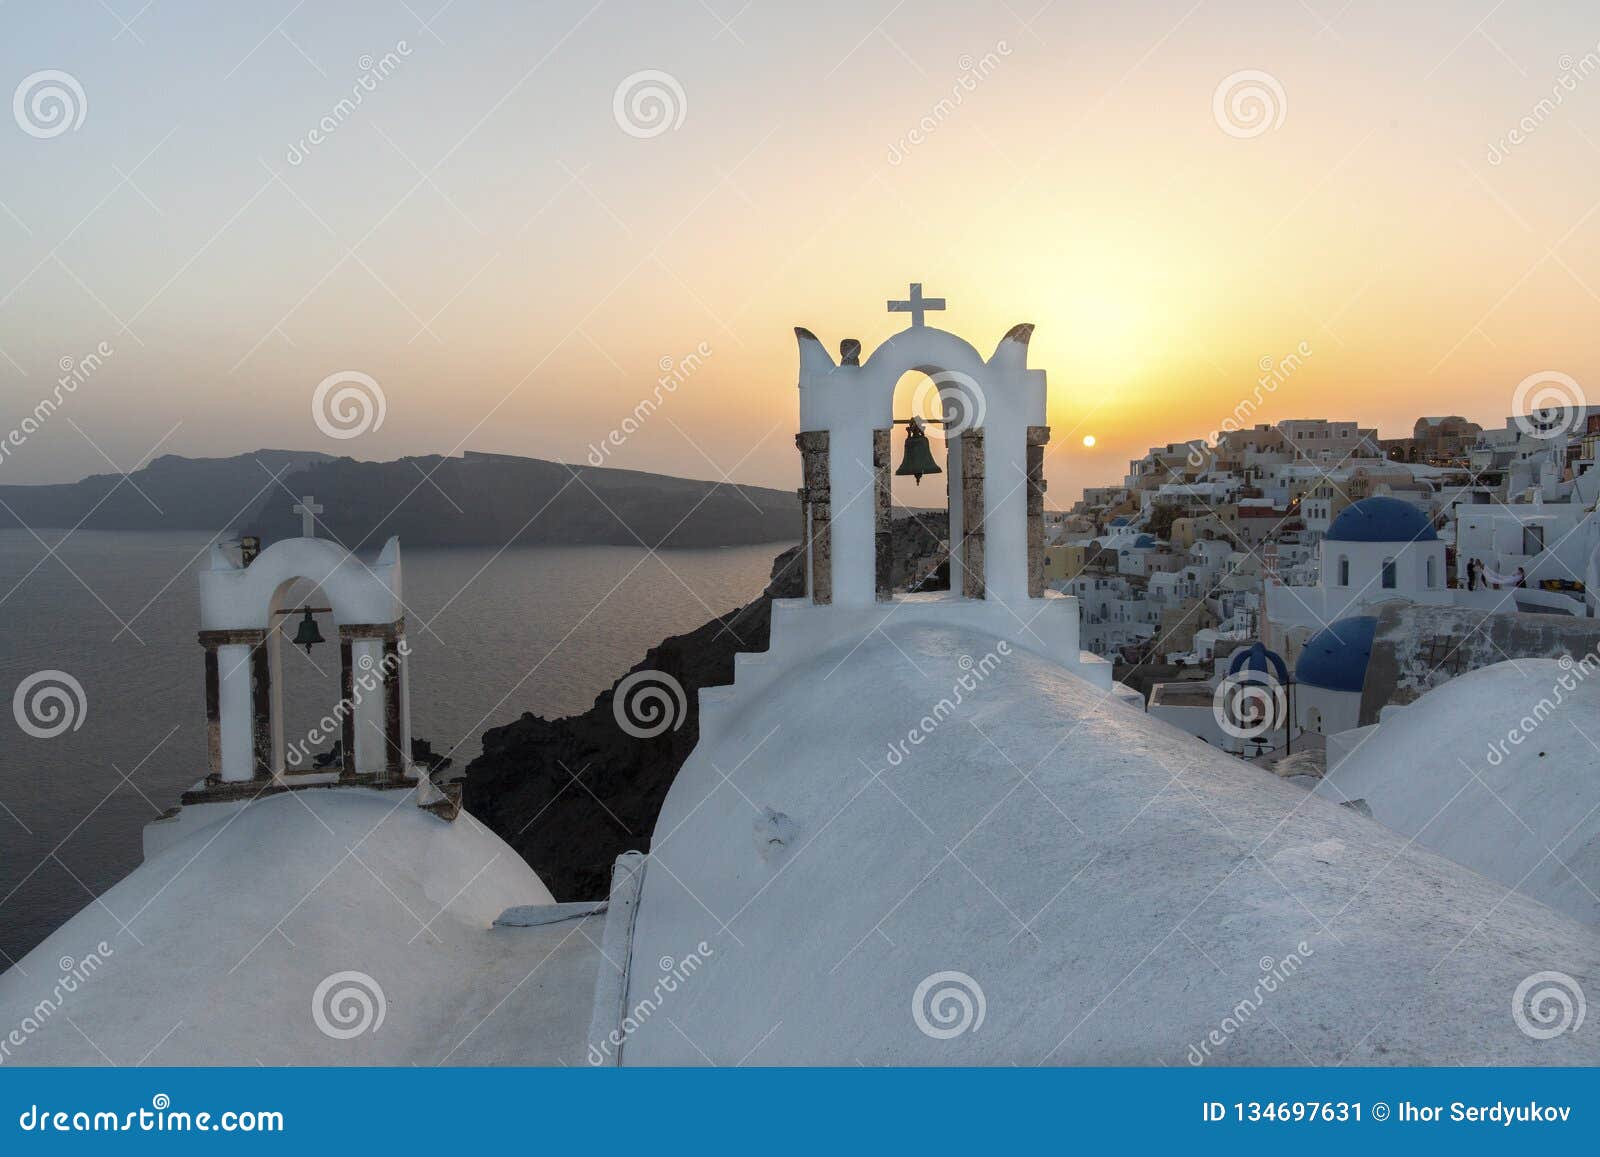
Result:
<point x="1088" y="440"/>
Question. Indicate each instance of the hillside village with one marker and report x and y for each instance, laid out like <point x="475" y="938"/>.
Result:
<point x="1295" y="535"/>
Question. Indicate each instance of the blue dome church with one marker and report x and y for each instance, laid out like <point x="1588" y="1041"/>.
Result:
<point x="1330" y="673"/>
<point x="1376" y="550"/>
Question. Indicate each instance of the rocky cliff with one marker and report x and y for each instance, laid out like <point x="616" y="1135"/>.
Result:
<point x="572" y="794"/>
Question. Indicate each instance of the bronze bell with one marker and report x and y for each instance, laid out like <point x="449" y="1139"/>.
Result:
<point x="918" y="459"/>
<point x="307" y="634"/>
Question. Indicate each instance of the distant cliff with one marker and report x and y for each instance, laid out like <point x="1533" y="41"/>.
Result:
<point x="171" y="493"/>
<point x="477" y="499"/>
<point x="494" y="499"/>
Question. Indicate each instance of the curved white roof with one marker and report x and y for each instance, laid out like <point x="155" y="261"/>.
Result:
<point x="1117" y="890"/>
<point x="1525" y="811"/>
<point x="219" y="943"/>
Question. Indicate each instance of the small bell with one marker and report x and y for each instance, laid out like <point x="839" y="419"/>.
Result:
<point x="307" y="634"/>
<point x="918" y="458"/>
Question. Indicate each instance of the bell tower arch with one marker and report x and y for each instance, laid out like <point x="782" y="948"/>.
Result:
<point x="992" y="414"/>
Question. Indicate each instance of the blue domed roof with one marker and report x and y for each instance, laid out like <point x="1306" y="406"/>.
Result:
<point x="1258" y="660"/>
<point x="1381" y="519"/>
<point x="1119" y="520"/>
<point x="1144" y="540"/>
<point x="1335" y="658"/>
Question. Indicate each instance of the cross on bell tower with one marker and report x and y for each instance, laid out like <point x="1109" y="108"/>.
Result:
<point x="916" y="305"/>
<point x="308" y="508"/>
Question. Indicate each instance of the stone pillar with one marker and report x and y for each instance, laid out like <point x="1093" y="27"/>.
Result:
<point x="972" y="513"/>
<point x="883" y="525"/>
<point x="814" y="458"/>
<point x="376" y="725"/>
<point x="213" y="713"/>
<point x="261" y="710"/>
<point x="347" y="707"/>
<point x="230" y="673"/>
<point x="393" y="742"/>
<point x="805" y="540"/>
<point x="1038" y="438"/>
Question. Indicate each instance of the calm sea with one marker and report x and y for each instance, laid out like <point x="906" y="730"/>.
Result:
<point x="539" y="629"/>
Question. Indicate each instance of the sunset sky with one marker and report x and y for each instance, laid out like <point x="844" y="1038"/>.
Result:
<point x="484" y="239"/>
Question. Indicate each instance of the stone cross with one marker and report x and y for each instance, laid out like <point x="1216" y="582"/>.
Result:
<point x="308" y="509"/>
<point x="917" y="305"/>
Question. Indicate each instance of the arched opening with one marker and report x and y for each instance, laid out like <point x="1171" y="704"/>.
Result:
<point x="922" y="526"/>
<point x="307" y="685"/>
<point x="1344" y="570"/>
<point x="1388" y="574"/>
<point x="1432" y="575"/>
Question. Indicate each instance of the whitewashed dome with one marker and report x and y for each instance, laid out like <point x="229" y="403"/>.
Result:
<point x="330" y="927"/>
<point x="1111" y="887"/>
<point x="1495" y="769"/>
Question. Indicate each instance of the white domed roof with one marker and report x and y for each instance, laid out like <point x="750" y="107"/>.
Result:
<point x="1111" y="887"/>
<point x="1497" y="770"/>
<point x="266" y="934"/>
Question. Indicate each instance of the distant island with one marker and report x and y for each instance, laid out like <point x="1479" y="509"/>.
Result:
<point x="474" y="500"/>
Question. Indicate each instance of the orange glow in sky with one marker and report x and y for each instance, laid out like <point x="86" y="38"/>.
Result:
<point x="516" y="268"/>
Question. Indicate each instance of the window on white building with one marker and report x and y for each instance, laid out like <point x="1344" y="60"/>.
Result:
<point x="1388" y="574"/>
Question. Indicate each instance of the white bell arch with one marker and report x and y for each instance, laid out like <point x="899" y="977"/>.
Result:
<point x="239" y="607"/>
<point x="995" y="464"/>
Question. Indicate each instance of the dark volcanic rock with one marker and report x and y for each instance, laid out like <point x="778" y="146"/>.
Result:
<point x="570" y="795"/>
